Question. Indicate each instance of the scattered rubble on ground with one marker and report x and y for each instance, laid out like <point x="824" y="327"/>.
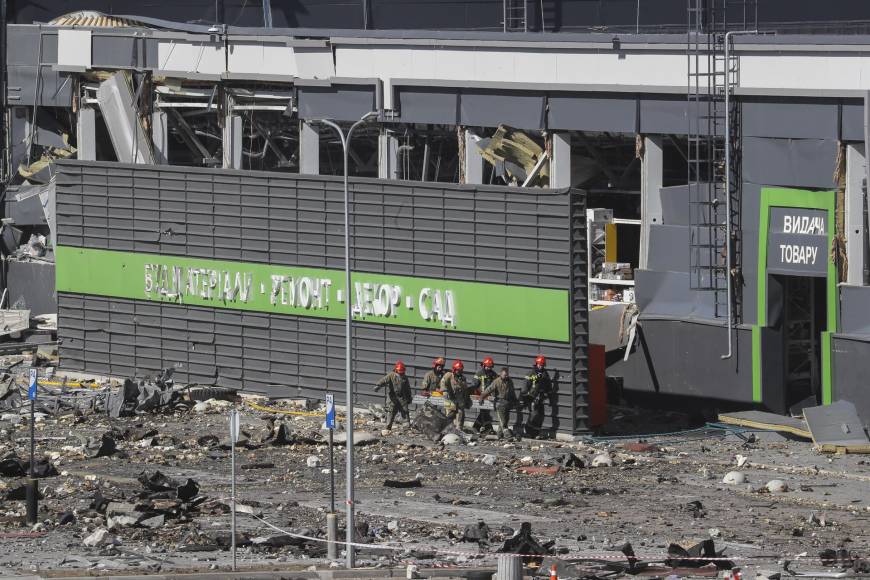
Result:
<point x="141" y="481"/>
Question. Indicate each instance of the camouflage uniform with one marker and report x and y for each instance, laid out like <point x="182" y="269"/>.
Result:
<point x="504" y="399"/>
<point x="478" y="385"/>
<point x="481" y="381"/>
<point x="457" y="396"/>
<point x="536" y="392"/>
<point x="398" y="396"/>
<point x="431" y="381"/>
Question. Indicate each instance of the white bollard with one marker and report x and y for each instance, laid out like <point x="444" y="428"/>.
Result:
<point x="332" y="536"/>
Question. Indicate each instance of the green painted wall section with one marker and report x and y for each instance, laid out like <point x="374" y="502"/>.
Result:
<point x="797" y="198"/>
<point x="452" y="305"/>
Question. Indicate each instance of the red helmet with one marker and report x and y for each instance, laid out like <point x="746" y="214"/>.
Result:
<point x="488" y="363"/>
<point x="458" y="367"/>
<point x="540" y="361"/>
<point x="400" y="368"/>
<point x="438" y="362"/>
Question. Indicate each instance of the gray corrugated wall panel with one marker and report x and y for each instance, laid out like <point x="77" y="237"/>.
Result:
<point x="852" y="122"/>
<point x="660" y="115"/>
<point x="789" y="162"/>
<point x="675" y="205"/>
<point x="854" y="314"/>
<point x="491" y="109"/>
<point x="340" y="103"/>
<point x="428" y="105"/>
<point x="301" y="344"/>
<point x="669" y="248"/>
<point x="388" y="342"/>
<point x="119" y="51"/>
<point x="670" y="294"/>
<point x="851" y="364"/>
<point x="31" y="286"/>
<point x="544" y="212"/>
<point x="23" y="45"/>
<point x="27" y="212"/>
<point x="587" y="113"/>
<point x="750" y="208"/>
<point x="55" y="89"/>
<point x="704" y="374"/>
<point x="800" y="120"/>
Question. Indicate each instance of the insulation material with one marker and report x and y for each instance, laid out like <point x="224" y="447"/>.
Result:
<point x="12" y="321"/>
<point x="40" y="171"/>
<point x="515" y="156"/>
<point x="93" y="19"/>
<point x="767" y="422"/>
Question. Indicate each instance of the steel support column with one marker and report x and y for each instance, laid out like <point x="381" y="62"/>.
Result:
<point x="309" y="149"/>
<point x="86" y="134"/>
<point x="856" y="206"/>
<point x="473" y="159"/>
<point x="232" y="138"/>
<point x="560" y="163"/>
<point x="651" y="181"/>
<point x="388" y="151"/>
<point x="160" y="136"/>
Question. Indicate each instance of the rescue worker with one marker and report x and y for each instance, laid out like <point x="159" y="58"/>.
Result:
<point x="456" y="393"/>
<point x="479" y="383"/>
<point x="504" y="399"/>
<point x="397" y="393"/>
<point x="537" y="391"/>
<point x="484" y="376"/>
<point x="432" y="380"/>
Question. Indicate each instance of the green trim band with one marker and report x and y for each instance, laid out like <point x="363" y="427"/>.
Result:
<point x="451" y="305"/>
<point x="794" y="198"/>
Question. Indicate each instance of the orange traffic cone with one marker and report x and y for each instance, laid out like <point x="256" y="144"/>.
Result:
<point x="553" y="574"/>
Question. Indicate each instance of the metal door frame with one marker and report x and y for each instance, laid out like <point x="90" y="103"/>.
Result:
<point x="805" y="199"/>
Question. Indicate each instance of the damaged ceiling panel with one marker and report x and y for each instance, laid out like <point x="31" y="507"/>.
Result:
<point x="129" y="138"/>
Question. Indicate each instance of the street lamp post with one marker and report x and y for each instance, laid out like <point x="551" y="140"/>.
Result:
<point x="348" y="325"/>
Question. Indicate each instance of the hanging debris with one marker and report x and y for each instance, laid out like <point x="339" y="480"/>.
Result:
<point x="516" y="157"/>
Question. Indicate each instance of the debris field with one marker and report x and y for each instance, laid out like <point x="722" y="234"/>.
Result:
<point x="137" y="477"/>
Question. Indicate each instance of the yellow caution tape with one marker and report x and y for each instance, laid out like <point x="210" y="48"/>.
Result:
<point x="265" y="409"/>
<point x="75" y="385"/>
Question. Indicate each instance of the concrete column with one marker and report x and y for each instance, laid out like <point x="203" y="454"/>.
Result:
<point x="560" y="164"/>
<point x="232" y="138"/>
<point x="856" y="235"/>
<point x="160" y="137"/>
<point x="651" y="170"/>
<point x="309" y="149"/>
<point x="86" y="134"/>
<point x="388" y="149"/>
<point x="473" y="159"/>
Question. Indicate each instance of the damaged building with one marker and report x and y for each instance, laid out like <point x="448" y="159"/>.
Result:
<point x="685" y="187"/>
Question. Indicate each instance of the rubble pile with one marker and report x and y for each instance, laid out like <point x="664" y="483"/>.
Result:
<point x="148" y="486"/>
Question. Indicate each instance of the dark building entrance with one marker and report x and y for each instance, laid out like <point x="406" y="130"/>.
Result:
<point x="804" y="320"/>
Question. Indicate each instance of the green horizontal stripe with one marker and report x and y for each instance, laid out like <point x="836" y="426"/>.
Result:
<point x="496" y="309"/>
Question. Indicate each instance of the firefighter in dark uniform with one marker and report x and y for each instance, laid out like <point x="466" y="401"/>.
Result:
<point x="432" y="380"/>
<point x="537" y="392"/>
<point x="479" y="383"/>
<point x="457" y="395"/>
<point x="504" y="398"/>
<point x="397" y="392"/>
